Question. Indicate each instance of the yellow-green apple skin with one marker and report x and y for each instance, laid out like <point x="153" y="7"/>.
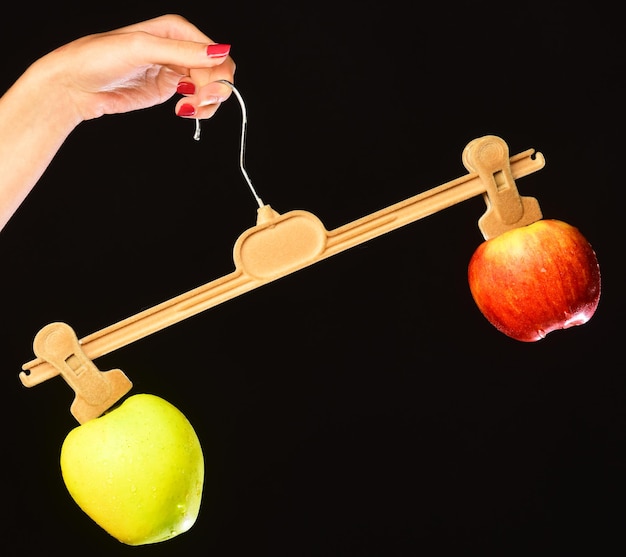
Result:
<point x="535" y="279"/>
<point x="137" y="471"/>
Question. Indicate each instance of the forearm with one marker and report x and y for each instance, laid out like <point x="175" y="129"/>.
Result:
<point x="136" y="67"/>
<point x="35" y="119"/>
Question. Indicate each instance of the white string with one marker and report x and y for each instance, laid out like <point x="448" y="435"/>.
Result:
<point x="242" y="151"/>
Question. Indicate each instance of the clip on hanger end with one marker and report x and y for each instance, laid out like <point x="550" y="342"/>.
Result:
<point x="96" y="391"/>
<point x="488" y="156"/>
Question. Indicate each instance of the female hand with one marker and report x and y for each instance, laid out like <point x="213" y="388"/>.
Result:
<point x="131" y="68"/>
<point x="139" y="66"/>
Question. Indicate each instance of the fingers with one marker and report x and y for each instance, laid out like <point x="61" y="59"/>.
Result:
<point x="174" y="42"/>
<point x="201" y="101"/>
<point x="144" y="49"/>
<point x="169" y="40"/>
<point x="177" y="43"/>
<point x="202" y="64"/>
<point x="171" y="26"/>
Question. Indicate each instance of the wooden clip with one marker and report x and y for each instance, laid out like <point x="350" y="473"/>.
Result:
<point x="488" y="156"/>
<point x="96" y="391"/>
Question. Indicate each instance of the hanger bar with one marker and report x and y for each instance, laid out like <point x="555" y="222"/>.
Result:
<point x="281" y="244"/>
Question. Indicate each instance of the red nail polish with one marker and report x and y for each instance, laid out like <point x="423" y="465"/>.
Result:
<point x="217" y="50"/>
<point x="186" y="88"/>
<point x="186" y="110"/>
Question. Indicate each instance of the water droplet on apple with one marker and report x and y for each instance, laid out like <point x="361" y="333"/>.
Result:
<point x="541" y="333"/>
<point x="579" y="318"/>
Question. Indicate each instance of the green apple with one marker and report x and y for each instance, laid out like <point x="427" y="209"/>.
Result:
<point x="137" y="470"/>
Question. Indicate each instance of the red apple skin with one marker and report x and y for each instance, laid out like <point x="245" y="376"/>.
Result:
<point x="533" y="280"/>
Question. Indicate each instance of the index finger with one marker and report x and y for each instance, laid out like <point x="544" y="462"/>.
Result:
<point x="171" y="26"/>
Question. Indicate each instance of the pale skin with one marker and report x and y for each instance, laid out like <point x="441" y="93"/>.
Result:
<point x="131" y="68"/>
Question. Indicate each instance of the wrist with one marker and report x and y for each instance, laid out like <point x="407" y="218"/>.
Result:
<point x="51" y="98"/>
<point x="46" y="100"/>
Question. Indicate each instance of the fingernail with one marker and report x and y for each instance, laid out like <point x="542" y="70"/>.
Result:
<point x="186" y="88"/>
<point x="186" y="110"/>
<point x="217" y="50"/>
<point x="211" y="100"/>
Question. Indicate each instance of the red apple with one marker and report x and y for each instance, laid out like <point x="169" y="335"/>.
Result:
<point x="535" y="279"/>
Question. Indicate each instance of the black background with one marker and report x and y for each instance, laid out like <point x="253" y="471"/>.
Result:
<point x="362" y="406"/>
